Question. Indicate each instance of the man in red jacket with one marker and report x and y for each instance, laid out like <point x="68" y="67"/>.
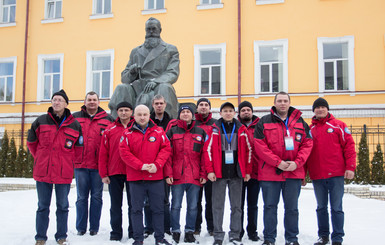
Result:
<point x="55" y="141"/>
<point x="246" y="117"/>
<point x="204" y="120"/>
<point x="94" y="120"/>
<point x="229" y="154"/>
<point x="332" y="159"/>
<point x="283" y="143"/>
<point x="112" y="169"/>
<point x="185" y="170"/>
<point x="144" y="148"/>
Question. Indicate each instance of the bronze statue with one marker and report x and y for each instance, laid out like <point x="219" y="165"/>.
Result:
<point x="152" y="69"/>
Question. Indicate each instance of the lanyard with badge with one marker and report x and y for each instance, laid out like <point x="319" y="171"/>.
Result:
<point x="289" y="141"/>
<point x="229" y="158"/>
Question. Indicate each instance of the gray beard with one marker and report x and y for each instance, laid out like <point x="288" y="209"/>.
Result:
<point x="151" y="42"/>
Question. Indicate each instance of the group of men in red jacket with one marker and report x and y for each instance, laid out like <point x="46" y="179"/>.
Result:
<point x="272" y="153"/>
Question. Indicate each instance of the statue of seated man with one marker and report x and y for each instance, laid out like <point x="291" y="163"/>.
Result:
<point x="152" y="69"/>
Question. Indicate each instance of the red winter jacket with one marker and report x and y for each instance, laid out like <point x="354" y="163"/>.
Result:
<point x="93" y="129"/>
<point x="110" y="162"/>
<point x="333" y="149"/>
<point x="269" y="144"/>
<point x="255" y="159"/>
<point x="137" y="148"/>
<point x="214" y="150"/>
<point x="55" y="148"/>
<point x="204" y="123"/>
<point x="186" y="163"/>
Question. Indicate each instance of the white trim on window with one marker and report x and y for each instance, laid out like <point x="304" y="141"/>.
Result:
<point x="321" y="68"/>
<point x="99" y="53"/>
<point x="54" y="18"/>
<point x="12" y="59"/>
<point x="40" y="73"/>
<point x="9" y="11"/>
<point x="197" y="67"/>
<point x="154" y="10"/>
<point x="210" y="5"/>
<point x="284" y="43"/>
<point x="102" y="15"/>
<point x="262" y="2"/>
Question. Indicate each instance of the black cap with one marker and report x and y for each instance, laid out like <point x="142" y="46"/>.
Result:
<point x="204" y="100"/>
<point x="184" y="107"/>
<point x="245" y="104"/>
<point x="62" y="93"/>
<point x="320" y="102"/>
<point x="124" y="104"/>
<point x="227" y="104"/>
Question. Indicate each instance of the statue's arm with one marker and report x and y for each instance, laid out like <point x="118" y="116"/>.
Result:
<point x="170" y="75"/>
<point x="130" y="73"/>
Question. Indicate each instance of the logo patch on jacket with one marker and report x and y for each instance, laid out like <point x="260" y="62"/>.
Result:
<point x="69" y="143"/>
<point x="102" y="131"/>
<point x="152" y="139"/>
<point x="347" y="130"/>
<point x="330" y="130"/>
<point x="198" y="138"/>
<point x="81" y="140"/>
<point x="298" y="137"/>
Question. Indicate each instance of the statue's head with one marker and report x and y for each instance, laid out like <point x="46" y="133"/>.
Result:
<point x="153" y="28"/>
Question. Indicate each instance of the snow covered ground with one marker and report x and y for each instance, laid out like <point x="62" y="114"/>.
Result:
<point x="364" y="220"/>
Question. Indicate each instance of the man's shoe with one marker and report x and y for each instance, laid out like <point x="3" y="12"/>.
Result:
<point x="62" y="241"/>
<point x="291" y="243"/>
<point x="189" y="237"/>
<point x="218" y="242"/>
<point x="268" y="243"/>
<point x="323" y="240"/>
<point x="40" y="242"/>
<point x="254" y="238"/>
<point x="162" y="242"/>
<point x="236" y="241"/>
<point x="81" y="233"/>
<point x="176" y="237"/>
<point x="93" y="233"/>
<point x="138" y="243"/>
<point x="336" y="243"/>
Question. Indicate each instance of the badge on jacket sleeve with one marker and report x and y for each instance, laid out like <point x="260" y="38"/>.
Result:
<point x="347" y="130"/>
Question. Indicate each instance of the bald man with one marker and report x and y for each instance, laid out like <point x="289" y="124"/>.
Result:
<point x="144" y="148"/>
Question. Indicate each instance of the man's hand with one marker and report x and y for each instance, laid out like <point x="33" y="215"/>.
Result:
<point x="212" y="177"/>
<point x="152" y="168"/>
<point x="170" y="180"/>
<point x="349" y="174"/>
<point x="292" y="166"/>
<point x="283" y="165"/>
<point x="303" y="182"/>
<point x="145" y="167"/>
<point x="247" y="177"/>
<point x="202" y="181"/>
<point x="133" y="69"/>
<point x="149" y="87"/>
<point x="106" y="180"/>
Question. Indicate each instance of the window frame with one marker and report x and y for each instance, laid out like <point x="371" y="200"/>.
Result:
<point x="8" y="22"/>
<point x="95" y="15"/>
<point x="321" y="66"/>
<point x="40" y="73"/>
<point x="210" y="5"/>
<point x="263" y="2"/>
<point x="54" y="19"/>
<point x="146" y="10"/>
<point x="284" y="43"/>
<point x="197" y="68"/>
<point x="13" y="60"/>
<point x="89" y="74"/>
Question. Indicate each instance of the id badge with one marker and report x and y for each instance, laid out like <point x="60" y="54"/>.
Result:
<point x="229" y="157"/>
<point x="289" y="143"/>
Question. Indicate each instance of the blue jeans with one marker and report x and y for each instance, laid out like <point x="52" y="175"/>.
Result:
<point x="44" y="194"/>
<point x="271" y="191"/>
<point x="192" y="192"/>
<point x="252" y="187"/>
<point x="155" y="192"/>
<point x="324" y="189"/>
<point x="88" y="181"/>
<point x="115" y="188"/>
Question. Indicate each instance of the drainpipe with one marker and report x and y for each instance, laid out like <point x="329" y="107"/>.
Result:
<point x="239" y="52"/>
<point x="24" y="74"/>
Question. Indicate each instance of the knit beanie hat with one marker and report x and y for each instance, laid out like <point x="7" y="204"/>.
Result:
<point x="245" y="104"/>
<point x="62" y="93"/>
<point x="320" y="102"/>
<point x="124" y="104"/>
<point x="204" y="100"/>
<point x="184" y="107"/>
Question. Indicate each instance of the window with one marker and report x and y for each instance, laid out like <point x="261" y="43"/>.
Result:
<point x="210" y="4"/>
<point x="210" y="1"/>
<point x="336" y="64"/>
<point x="53" y="9"/>
<point x="100" y="72"/>
<point x="209" y="73"/>
<point x="102" y="7"/>
<point x="261" y="2"/>
<point x="8" y="11"/>
<point x="7" y="79"/>
<point x="154" y="4"/>
<point x="271" y="66"/>
<point x="50" y="75"/>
